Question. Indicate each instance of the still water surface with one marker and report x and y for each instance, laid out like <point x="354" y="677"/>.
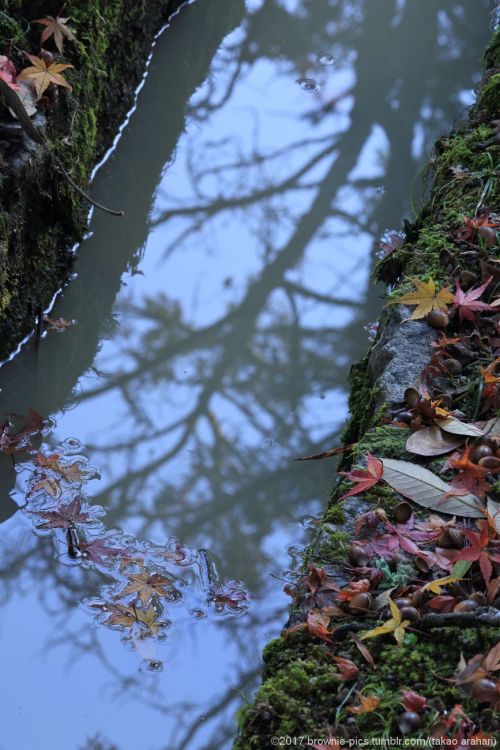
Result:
<point x="271" y="146"/>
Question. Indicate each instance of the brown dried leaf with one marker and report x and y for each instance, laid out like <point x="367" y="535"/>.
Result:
<point x="432" y="441"/>
<point x="425" y="488"/>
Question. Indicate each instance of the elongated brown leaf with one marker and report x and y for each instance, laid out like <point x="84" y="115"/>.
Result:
<point x="425" y="488"/>
<point x="327" y="454"/>
<point x="432" y="441"/>
<point x="456" y="427"/>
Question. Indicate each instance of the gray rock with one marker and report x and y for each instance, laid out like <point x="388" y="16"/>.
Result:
<point x="400" y="354"/>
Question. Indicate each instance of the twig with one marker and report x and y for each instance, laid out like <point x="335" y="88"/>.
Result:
<point x="487" y="616"/>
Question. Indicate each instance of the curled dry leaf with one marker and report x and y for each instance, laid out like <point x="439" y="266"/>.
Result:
<point x="367" y="704"/>
<point x="426" y="489"/>
<point x="432" y="441"/>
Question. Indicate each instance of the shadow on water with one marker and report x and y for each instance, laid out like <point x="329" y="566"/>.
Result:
<point x="215" y="327"/>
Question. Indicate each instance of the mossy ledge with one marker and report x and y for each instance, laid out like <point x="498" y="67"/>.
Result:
<point x="302" y="694"/>
<point x="41" y="215"/>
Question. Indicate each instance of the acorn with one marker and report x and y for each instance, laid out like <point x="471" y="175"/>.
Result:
<point x="446" y="257"/>
<point x="418" y="597"/>
<point x="410" y="613"/>
<point x="467" y="605"/>
<point x="402" y="512"/>
<point x="488" y="235"/>
<point x="421" y="564"/>
<point x="479" y="597"/>
<point x="453" y="366"/>
<point x="409" y="721"/>
<point x="360" y="603"/>
<point x="492" y="463"/>
<point x="412" y="397"/>
<point x="444" y="540"/>
<point x="456" y="537"/>
<point x="467" y="279"/>
<point x="484" y="690"/>
<point x="47" y="56"/>
<point x="402" y="601"/>
<point x="479" y="452"/>
<point x="437" y="319"/>
<point x="404" y="416"/>
<point x="358" y="557"/>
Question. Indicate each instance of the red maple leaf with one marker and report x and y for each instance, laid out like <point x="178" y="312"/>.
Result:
<point x="479" y="551"/>
<point x="97" y="549"/>
<point x="467" y="303"/>
<point x="63" y="518"/>
<point x="471" y="226"/>
<point x="364" y="478"/>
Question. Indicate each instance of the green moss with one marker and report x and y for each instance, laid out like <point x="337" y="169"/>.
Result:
<point x="298" y="697"/>
<point x="333" y="545"/>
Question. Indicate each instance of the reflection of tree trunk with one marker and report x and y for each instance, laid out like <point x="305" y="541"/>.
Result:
<point x="90" y="297"/>
<point x="48" y="374"/>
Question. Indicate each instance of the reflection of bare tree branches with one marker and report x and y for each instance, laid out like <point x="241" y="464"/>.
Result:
<point x="243" y="390"/>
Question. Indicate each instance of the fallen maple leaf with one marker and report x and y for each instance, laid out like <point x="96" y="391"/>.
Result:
<point x="317" y="625"/>
<point x="128" y="616"/>
<point x="368" y="703"/>
<point x="57" y="324"/>
<point x="57" y="28"/>
<point x="364" y="478"/>
<point x="96" y="550"/>
<point x="467" y="303"/>
<point x="43" y="75"/>
<point x="425" y="298"/>
<point x="394" y="625"/>
<point x="436" y="585"/>
<point x="145" y="584"/>
<point x="63" y="518"/>
<point x="478" y="551"/>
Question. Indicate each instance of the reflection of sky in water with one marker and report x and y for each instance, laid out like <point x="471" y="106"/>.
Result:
<point x="248" y="307"/>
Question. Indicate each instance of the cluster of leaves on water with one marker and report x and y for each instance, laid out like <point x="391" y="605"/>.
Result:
<point x="146" y="578"/>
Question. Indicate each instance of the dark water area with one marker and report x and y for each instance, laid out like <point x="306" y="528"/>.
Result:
<point x="272" y="145"/>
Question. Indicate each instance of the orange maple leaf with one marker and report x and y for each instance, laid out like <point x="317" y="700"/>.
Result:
<point x="367" y="704"/>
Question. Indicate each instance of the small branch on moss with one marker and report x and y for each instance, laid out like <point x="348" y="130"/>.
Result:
<point x="14" y="103"/>
<point x="488" y="616"/>
<point x="83" y="193"/>
<point x="485" y="616"/>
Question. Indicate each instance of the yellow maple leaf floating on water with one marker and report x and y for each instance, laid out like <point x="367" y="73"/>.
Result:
<point x="394" y="625"/>
<point x="425" y="298"/>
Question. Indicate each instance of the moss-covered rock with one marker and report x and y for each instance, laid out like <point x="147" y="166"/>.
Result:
<point x="41" y="215"/>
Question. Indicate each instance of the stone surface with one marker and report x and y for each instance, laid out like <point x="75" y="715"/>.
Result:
<point x="400" y="354"/>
